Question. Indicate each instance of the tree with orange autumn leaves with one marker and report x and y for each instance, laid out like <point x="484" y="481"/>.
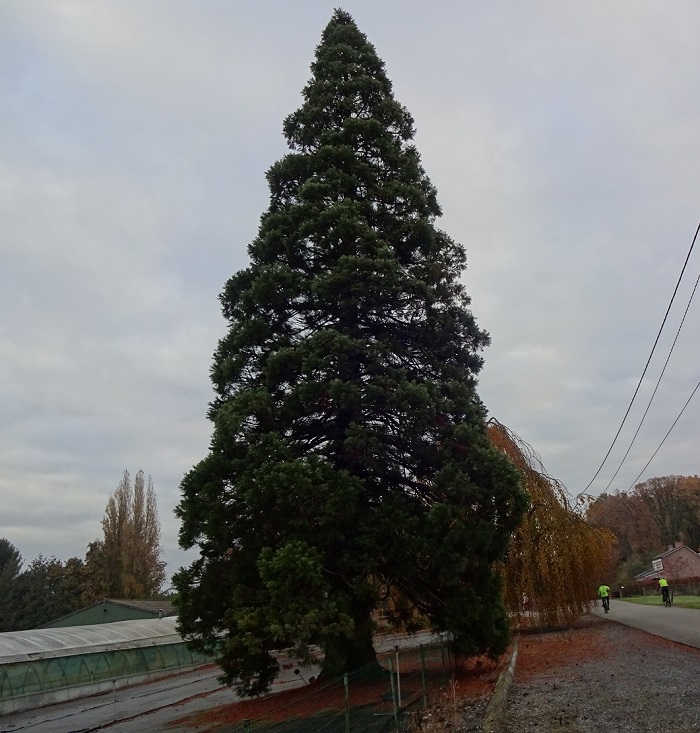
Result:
<point x="556" y="558"/>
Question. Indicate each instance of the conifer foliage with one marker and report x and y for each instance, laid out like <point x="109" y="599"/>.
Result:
<point x="349" y="446"/>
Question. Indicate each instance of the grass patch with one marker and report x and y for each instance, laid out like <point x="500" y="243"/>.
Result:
<point x="680" y="601"/>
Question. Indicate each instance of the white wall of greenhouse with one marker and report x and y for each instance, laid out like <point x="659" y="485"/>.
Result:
<point x="44" y="666"/>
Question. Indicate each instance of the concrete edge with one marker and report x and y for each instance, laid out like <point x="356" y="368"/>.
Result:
<point x="496" y="709"/>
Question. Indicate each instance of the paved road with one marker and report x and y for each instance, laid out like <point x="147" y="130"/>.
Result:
<point x="677" y="624"/>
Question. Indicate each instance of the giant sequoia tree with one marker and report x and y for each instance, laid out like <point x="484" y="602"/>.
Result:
<point x="349" y="447"/>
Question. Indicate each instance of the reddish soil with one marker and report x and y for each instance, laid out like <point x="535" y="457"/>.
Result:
<point x="548" y="652"/>
<point x="473" y="678"/>
<point x="544" y="652"/>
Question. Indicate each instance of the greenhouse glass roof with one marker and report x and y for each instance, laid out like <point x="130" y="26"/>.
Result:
<point x="18" y="646"/>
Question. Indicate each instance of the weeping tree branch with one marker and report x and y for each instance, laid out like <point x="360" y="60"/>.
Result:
<point x="556" y="558"/>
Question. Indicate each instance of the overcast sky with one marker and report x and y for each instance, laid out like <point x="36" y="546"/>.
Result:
<point x="564" y="142"/>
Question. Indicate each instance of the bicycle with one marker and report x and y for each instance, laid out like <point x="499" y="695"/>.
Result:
<point x="666" y="597"/>
<point x="606" y="603"/>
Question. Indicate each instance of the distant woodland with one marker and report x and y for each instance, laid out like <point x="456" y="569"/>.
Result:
<point x="125" y="563"/>
<point x="649" y="519"/>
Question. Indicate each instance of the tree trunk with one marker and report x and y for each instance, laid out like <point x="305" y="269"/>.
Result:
<point x="347" y="653"/>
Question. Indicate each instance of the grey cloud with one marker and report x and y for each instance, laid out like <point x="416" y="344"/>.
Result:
<point x="135" y="138"/>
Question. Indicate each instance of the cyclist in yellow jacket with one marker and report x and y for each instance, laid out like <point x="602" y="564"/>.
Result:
<point x="604" y="595"/>
<point x="663" y="584"/>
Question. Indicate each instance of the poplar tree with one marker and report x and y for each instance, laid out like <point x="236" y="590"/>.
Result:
<point x="127" y="562"/>
<point x="349" y="448"/>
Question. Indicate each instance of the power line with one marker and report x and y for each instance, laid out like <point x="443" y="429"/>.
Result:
<point x="623" y="494"/>
<point x="687" y="402"/>
<point x="646" y="366"/>
<point x="658" y="382"/>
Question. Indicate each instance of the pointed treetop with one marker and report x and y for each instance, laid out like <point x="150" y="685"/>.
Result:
<point x="349" y="81"/>
<point x="342" y="21"/>
<point x="341" y="17"/>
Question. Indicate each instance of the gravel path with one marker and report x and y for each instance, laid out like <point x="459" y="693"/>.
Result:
<point x="604" y="676"/>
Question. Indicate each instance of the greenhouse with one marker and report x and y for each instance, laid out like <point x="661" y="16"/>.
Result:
<point x="44" y="666"/>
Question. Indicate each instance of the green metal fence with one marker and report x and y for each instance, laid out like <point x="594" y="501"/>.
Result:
<point x="371" y="699"/>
